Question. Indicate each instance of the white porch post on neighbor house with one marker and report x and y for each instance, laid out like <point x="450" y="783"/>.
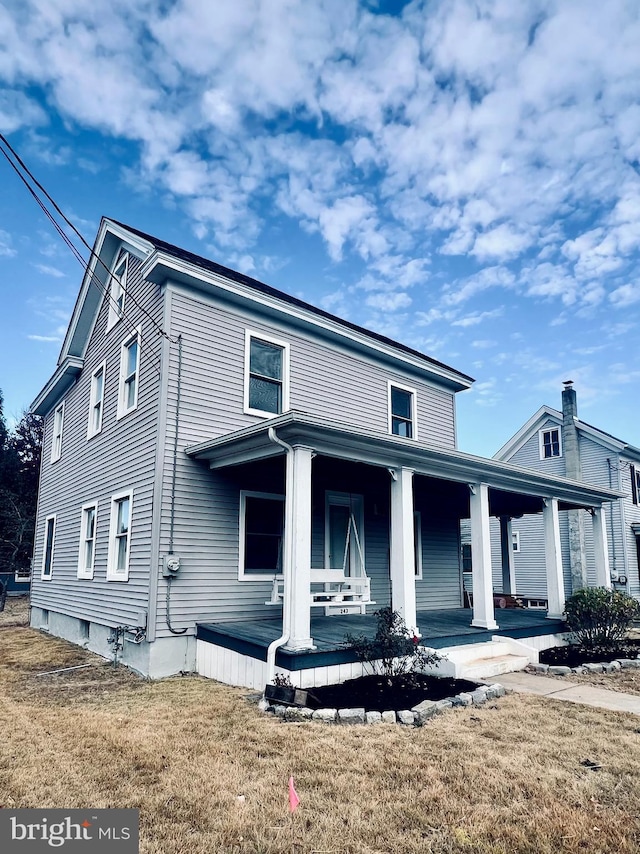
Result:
<point x="482" y="582"/>
<point x="402" y="568"/>
<point x="601" y="548"/>
<point x="506" y="553"/>
<point x="553" y="558"/>
<point x="297" y="522"/>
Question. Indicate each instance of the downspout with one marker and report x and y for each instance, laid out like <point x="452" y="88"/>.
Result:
<point x="611" y="526"/>
<point x="623" y="525"/>
<point x="286" y="563"/>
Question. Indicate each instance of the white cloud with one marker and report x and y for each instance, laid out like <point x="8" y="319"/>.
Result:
<point x="389" y="302"/>
<point x="49" y="271"/>
<point x="478" y="317"/>
<point x="6" y="245"/>
<point x="625" y="295"/>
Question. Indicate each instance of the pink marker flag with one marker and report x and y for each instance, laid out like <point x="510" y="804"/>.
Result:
<point x="294" y="800"/>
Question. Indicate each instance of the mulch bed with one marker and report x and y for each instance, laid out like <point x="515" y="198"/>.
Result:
<point x="379" y="693"/>
<point x="574" y="656"/>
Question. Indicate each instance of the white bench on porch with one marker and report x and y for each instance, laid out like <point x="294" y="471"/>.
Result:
<point x="331" y="589"/>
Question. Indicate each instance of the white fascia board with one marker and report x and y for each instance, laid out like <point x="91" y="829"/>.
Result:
<point x="160" y="267"/>
<point x="599" y="437"/>
<point x="133" y="244"/>
<point x="57" y="386"/>
<point x="526" y="432"/>
<point x="345" y="441"/>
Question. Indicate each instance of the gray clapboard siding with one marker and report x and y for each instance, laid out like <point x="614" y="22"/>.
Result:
<point x="440" y="585"/>
<point x="631" y="514"/>
<point x="324" y="380"/>
<point x="118" y="458"/>
<point x="529" y="454"/>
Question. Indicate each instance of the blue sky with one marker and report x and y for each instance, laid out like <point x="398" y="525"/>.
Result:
<point x="462" y="176"/>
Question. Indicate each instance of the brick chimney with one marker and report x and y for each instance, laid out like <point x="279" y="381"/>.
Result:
<point x="571" y="452"/>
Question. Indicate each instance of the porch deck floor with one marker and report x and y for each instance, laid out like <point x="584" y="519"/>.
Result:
<point x="439" y="628"/>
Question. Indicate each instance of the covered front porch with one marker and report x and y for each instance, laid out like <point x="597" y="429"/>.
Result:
<point x="410" y="478"/>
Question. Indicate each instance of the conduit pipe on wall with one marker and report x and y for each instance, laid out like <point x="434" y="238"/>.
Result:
<point x="287" y="554"/>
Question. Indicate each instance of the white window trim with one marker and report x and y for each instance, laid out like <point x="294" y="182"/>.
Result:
<point x="115" y="286"/>
<point x="83" y="572"/>
<point x="244" y="494"/>
<point x="91" y="430"/>
<point x="268" y="339"/>
<point x="43" y="575"/>
<point x="515" y="541"/>
<point x="541" y="433"/>
<point x="417" y="527"/>
<point x="112" y="575"/>
<point x="414" y="408"/>
<point x="137" y="336"/>
<point x="56" y="456"/>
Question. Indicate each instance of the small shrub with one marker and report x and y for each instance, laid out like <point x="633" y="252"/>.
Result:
<point x="282" y="680"/>
<point x="600" y="618"/>
<point x="394" y="651"/>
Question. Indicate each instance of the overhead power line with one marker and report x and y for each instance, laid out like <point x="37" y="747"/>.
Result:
<point x="25" y="175"/>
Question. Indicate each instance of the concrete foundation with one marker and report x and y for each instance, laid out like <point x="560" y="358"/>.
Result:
<point x="163" y="657"/>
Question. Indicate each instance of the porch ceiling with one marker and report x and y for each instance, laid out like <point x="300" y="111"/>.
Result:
<point x="511" y="486"/>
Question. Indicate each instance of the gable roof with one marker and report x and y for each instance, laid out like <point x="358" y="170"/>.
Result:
<point x="167" y="261"/>
<point x="546" y="413"/>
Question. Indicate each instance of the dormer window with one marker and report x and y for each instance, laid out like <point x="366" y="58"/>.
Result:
<point x="550" y="443"/>
<point x="266" y="376"/>
<point x="118" y="289"/>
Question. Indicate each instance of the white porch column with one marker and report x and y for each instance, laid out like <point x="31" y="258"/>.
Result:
<point x="483" y="611"/>
<point x="553" y="559"/>
<point x="402" y="568"/>
<point x="601" y="548"/>
<point x="297" y="547"/>
<point x="506" y="553"/>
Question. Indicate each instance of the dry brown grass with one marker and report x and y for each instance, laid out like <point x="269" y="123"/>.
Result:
<point x="627" y="681"/>
<point x="16" y="612"/>
<point x="503" y="779"/>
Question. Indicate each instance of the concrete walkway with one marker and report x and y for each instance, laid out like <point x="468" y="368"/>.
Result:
<point x="588" y="695"/>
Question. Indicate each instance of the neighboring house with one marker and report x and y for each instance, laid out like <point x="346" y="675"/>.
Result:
<point x="560" y="443"/>
<point x="218" y="453"/>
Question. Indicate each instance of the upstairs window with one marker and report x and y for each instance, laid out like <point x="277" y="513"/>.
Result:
<point x="118" y="289"/>
<point x="550" y="443"/>
<point x="266" y="390"/>
<point x="261" y="534"/>
<point x="402" y="411"/>
<point x="635" y="484"/>
<point x="49" y="542"/>
<point x="129" y="374"/>
<point x="119" y="537"/>
<point x="56" y="442"/>
<point x="87" y="540"/>
<point x="97" y="400"/>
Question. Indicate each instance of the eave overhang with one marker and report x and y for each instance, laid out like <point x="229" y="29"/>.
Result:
<point x="161" y="267"/>
<point x="64" y="377"/>
<point x="354" y="443"/>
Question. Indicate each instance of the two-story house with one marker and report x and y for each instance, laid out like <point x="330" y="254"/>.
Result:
<point x="231" y="474"/>
<point x="559" y="442"/>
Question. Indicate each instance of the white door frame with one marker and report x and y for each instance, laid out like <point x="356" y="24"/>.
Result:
<point x="356" y="502"/>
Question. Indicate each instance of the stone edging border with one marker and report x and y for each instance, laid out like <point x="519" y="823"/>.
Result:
<point x="601" y="667"/>
<point x="416" y="716"/>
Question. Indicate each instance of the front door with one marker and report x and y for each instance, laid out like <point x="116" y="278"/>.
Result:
<point x="344" y="533"/>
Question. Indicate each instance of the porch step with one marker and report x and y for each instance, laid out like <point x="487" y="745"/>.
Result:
<point x="484" y="668"/>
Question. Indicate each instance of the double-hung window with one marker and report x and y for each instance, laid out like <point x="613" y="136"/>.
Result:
<point x="635" y="483"/>
<point x="402" y="411"/>
<point x="417" y="543"/>
<point x="515" y="541"/>
<point x="97" y="401"/>
<point x="87" y="551"/>
<point x="56" y="442"/>
<point x="120" y="537"/>
<point x="550" y="443"/>
<point x="261" y="534"/>
<point x="118" y="289"/>
<point x="129" y="374"/>
<point x="49" y="543"/>
<point x="266" y="375"/>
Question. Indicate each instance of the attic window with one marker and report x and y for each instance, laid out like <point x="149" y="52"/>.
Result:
<point x="118" y="289"/>
<point x="550" y="443"/>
